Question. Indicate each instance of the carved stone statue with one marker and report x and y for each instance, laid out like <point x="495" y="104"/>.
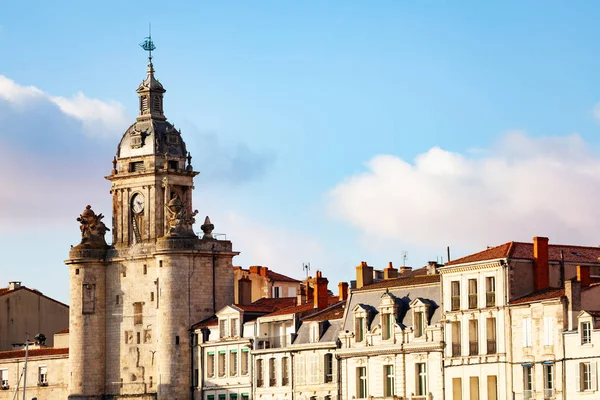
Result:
<point x="207" y="228"/>
<point x="178" y="220"/>
<point x="92" y="229"/>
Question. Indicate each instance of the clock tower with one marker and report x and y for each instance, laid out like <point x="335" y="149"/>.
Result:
<point x="155" y="280"/>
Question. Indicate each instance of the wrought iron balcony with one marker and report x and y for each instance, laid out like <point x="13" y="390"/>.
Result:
<point x="472" y="301"/>
<point x="490" y="299"/>
<point x="549" y="393"/>
<point x="527" y="394"/>
<point x="491" y="346"/>
<point x="455" y="303"/>
<point x="270" y="342"/>
<point x="456" y="352"/>
<point x="473" y="348"/>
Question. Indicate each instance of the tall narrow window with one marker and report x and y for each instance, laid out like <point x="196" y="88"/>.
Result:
<point x="421" y="385"/>
<point x="276" y="292"/>
<point x="361" y="382"/>
<point x="387" y="326"/>
<point x="490" y="291"/>
<point x="43" y="375"/>
<point x="527" y="381"/>
<point x="473" y="337"/>
<point x="455" y="295"/>
<point x="456" y="389"/>
<point x="456" y="343"/>
<point x="4" y="378"/>
<point x="492" y="387"/>
<point x="418" y="324"/>
<point x="272" y="372"/>
<point x="472" y="293"/>
<point x="328" y="362"/>
<point x="388" y="383"/>
<point x="244" y="362"/>
<point x="474" y="388"/>
<point x="223" y="328"/>
<point x="88" y="298"/>
<point x="548" y="381"/>
<point x="491" y="335"/>
<point x="137" y="313"/>
<point x="586" y="333"/>
<point x="526" y="331"/>
<point x="234" y="327"/>
<point x="359" y="328"/>
<point x="548" y="331"/>
<point x="285" y="371"/>
<point x="233" y="363"/>
<point x="260" y="373"/>
<point x="587" y="376"/>
<point x="222" y="362"/>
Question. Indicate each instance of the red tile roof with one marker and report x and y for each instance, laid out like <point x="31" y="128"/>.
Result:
<point x="210" y="321"/>
<point x="63" y="331"/>
<point x="540" y="295"/>
<point x="267" y="305"/>
<point x="409" y="281"/>
<point x="47" y="351"/>
<point x="275" y="276"/>
<point x="303" y="309"/>
<point x="521" y="250"/>
<point x="333" y="312"/>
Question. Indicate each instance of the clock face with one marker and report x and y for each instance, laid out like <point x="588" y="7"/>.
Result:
<point x="137" y="203"/>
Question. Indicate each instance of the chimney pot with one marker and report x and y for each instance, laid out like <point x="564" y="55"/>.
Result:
<point x="343" y="290"/>
<point x="364" y="275"/>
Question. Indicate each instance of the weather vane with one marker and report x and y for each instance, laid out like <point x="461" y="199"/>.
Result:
<point x="148" y="44"/>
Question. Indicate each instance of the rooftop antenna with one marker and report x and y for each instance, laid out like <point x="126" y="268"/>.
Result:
<point x="148" y="44"/>
<point x="404" y="257"/>
<point x="306" y="268"/>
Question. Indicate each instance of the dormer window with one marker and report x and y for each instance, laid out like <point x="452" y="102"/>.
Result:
<point x="386" y="326"/>
<point x="388" y="309"/>
<point x="421" y="309"/>
<point x="234" y="327"/>
<point x="144" y="104"/>
<point x="586" y="333"/>
<point x="223" y="328"/>
<point x="419" y="324"/>
<point x="359" y="329"/>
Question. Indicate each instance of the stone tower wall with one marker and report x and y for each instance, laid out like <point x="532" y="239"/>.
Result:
<point x="87" y="339"/>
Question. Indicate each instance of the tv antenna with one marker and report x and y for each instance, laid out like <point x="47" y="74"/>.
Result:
<point x="306" y="268"/>
<point x="404" y="257"/>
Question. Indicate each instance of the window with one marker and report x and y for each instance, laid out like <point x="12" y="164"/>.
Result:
<point x="472" y="293"/>
<point x="117" y="300"/>
<point x="145" y="269"/>
<point x="456" y="389"/>
<point x="328" y="363"/>
<point x="456" y="346"/>
<point x="586" y="333"/>
<point x="137" y="313"/>
<point x="222" y="362"/>
<point x="315" y="372"/>
<point x="421" y="386"/>
<point x="276" y="292"/>
<point x="148" y="336"/>
<point x="314" y="333"/>
<point x="359" y="323"/>
<point x="223" y="328"/>
<point x="151" y="296"/>
<point x="233" y="396"/>
<point x="418" y="324"/>
<point x="272" y="372"/>
<point x="548" y="381"/>
<point x="455" y="291"/>
<point x="137" y="166"/>
<point x="388" y="383"/>
<point x="139" y="337"/>
<point x="526" y="330"/>
<point x="548" y="331"/>
<point x="234" y="327"/>
<point x="173" y="164"/>
<point x="473" y="337"/>
<point x="233" y="363"/>
<point x="527" y="381"/>
<point x="4" y="378"/>
<point x="177" y="339"/>
<point x="492" y="387"/>
<point x="88" y="298"/>
<point x="260" y="373"/>
<point x="386" y="322"/>
<point x="361" y="382"/>
<point x="210" y="365"/>
<point x="587" y="376"/>
<point x="244" y="362"/>
<point x="490" y="291"/>
<point x="284" y="371"/>
<point x="128" y="337"/>
<point x="196" y="377"/>
<point x="43" y="375"/>
<point x="474" y="388"/>
<point x="491" y="335"/>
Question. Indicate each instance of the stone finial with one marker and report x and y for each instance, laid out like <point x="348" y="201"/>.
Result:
<point x="189" y="160"/>
<point x="92" y="229"/>
<point x="114" y="163"/>
<point x="207" y="228"/>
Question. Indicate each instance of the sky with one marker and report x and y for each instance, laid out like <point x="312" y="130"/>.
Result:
<point x="325" y="132"/>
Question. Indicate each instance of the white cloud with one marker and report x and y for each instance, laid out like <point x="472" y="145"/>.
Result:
<point x="98" y="118"/>
<point x="518" y="188"/>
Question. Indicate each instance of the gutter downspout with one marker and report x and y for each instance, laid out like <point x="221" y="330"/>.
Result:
<point x="443" y="326"/>
<point x="214" y="283"/>
<point x="508" y="317"/>
<point x="564" y="357"/>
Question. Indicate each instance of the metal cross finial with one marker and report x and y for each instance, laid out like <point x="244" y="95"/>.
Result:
<point x="148" y="44"/>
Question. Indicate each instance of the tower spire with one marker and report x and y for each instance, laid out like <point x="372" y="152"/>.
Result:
<point x="150" y="90"/>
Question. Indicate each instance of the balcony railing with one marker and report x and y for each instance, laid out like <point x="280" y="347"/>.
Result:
<point x="285" y="381"/>
<point x="272" y="382"/>
<point x="527" y="394"/>
<point x="455" y="303"/>
<point x="473" y="301"/>
<point x="270" y="342"/>
<point x="490" y="299"/>
<point x="456" y="350"/>
<point x="473" y="348"/>
<point x="491" y="346"/>
<point x="549" y="393"/>
<point x="260" y="382"/>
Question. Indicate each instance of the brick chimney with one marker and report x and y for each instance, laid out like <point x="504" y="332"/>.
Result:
<point x="583" y="276"/>
<point x="405" y="270"/>
<point x="573" y="295"/>
<point x="364" y="275"/>
<point x="254" y="269"/>
<point x="14" y="285"/>
<point x="263" y="271"/>
<point x="343" y="290"/>
<point x="390" y="272"/>
<point x="321" y="296"/>
<point x="541" y="275"/>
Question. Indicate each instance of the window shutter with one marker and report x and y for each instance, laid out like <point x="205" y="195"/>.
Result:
<point x="524" y="331"/>
<point x="578" y="380"/>
<point x="594" y="375"/>
<point x="548" y="333"/>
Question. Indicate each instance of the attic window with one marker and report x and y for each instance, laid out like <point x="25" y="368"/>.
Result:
<point x="136" y="166"/>
<point x="144" y="103"/>
<point x="156" y="104"/>
<point x="173" y="164"/>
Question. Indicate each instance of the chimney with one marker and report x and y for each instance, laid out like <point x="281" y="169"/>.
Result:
<point x="244" y="291"/>
<point x="364" y="275"/>
<point x="405" y="270"/>
<point x="263" y="271"/>
<point x="254" y="269"/>
<point x="301" y="296"/>
<point x="321" y="297"/>
<point x="432" y="267"/>
<point x="573" y="295"/>
<point x="14" y="285"/>
<point x="541" y="276"/>
<point x="390" y="272"/>
<point x="583" y="276"/>
<point x="343" y="290"/>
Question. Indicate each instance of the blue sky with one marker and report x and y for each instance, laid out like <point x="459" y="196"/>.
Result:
<point x="325" y="132"/>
